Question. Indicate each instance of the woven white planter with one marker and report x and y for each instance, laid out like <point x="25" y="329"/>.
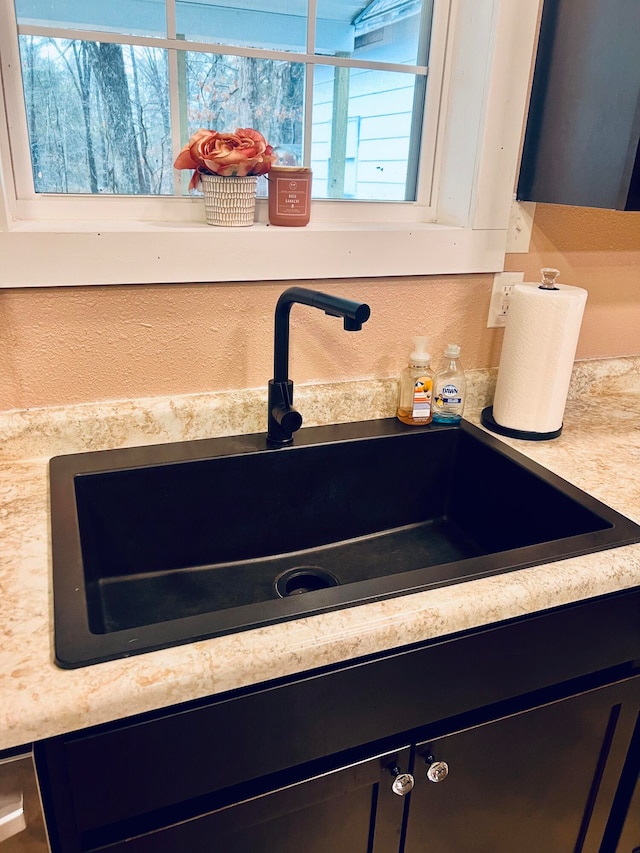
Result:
<point x="229" y="201"/>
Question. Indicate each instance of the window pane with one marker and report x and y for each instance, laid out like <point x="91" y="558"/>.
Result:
<point x="98" y="116"/>
<point x="134" y="17"/>
<point x="245" y="23"/>
<point x="362" y="134"/>
<point x="381" y="31"/>
<point x="226" y="92"/>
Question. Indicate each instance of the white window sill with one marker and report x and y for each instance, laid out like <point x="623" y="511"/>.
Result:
<point x="141" y="252"/>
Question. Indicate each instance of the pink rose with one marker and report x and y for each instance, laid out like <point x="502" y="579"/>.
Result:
<point x="242" y="153"/>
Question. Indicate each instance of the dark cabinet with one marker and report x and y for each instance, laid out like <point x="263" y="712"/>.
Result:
<point x="542" y="779"/>
<point x="582" y="137"/>
<point x="630" y="837"/>
<point x="539" y="780"/>
<point x="349" y="809"/>
<point x="537" y="720"/>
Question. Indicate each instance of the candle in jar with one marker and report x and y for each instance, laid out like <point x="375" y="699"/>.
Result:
<point x="289" y="195"/>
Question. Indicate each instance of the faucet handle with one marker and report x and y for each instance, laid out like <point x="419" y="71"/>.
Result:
<point x="290" y="420"/>
<point x="284" y="420"/>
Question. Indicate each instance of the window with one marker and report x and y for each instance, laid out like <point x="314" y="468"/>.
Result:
<point x="389" y="101"/>
<point x="99" y="113"/>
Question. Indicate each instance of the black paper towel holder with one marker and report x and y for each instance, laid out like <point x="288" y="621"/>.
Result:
<point x="487" y="420"/>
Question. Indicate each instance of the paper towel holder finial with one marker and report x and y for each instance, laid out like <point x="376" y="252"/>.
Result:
<point x="549" y="276"/>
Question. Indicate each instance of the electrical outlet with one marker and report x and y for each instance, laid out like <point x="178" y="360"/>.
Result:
<point x="503" y="283"/>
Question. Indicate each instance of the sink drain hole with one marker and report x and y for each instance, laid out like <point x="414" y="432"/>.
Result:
<point x="304" y="579"/>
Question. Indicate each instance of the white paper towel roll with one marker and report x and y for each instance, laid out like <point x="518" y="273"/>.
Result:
<point x="538" y="351"/>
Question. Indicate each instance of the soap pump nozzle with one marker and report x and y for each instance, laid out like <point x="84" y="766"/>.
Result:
<point x="420" y="355"/>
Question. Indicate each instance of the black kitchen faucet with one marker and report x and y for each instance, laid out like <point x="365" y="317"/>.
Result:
<point x="283" y="419"/>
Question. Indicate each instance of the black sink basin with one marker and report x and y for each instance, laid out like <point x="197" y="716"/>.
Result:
<point x="156" y="546"/>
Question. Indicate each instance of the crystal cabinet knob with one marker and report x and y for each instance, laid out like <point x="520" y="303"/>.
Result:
<point x="437" y="770"/>
<point x="402" y="783"/>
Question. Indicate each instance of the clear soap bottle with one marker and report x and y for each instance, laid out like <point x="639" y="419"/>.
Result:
<point x="415" y="391"/>
<point x="450" y="389"/>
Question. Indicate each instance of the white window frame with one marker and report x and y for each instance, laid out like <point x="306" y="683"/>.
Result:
<point x="457" y="225"/>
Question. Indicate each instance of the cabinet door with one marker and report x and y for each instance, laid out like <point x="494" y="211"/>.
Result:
<point x="541" y="780"/>
<point x="350" y="810"/>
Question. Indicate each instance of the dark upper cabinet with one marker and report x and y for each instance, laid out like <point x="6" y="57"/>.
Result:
<point x="581" y="144"/>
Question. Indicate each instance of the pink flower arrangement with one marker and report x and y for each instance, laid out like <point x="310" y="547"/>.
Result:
<point x="240" y="154"/>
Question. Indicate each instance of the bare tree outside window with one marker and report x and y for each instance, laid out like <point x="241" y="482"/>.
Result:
<point x="98" y="117"/>
<point x="225" y="92"/>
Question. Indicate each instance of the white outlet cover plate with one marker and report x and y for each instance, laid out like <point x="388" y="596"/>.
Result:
<point x="497" y="319"/>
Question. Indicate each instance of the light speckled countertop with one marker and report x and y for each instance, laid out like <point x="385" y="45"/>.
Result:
<point x="598" y="451"/>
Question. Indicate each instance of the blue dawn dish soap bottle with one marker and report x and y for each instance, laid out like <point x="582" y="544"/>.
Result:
<point x="415" y="391"/>
<point x="450" y="388"/>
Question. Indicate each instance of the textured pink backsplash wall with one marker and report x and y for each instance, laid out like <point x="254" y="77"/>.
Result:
<point x="69" y="345"/>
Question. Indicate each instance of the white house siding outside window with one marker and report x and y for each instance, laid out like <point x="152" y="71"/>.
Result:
<point x="397" y="105"/>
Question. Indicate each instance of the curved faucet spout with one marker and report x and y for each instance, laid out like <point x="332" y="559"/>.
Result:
<point x="354" y="314"/>
<point x="283" y="420"/>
